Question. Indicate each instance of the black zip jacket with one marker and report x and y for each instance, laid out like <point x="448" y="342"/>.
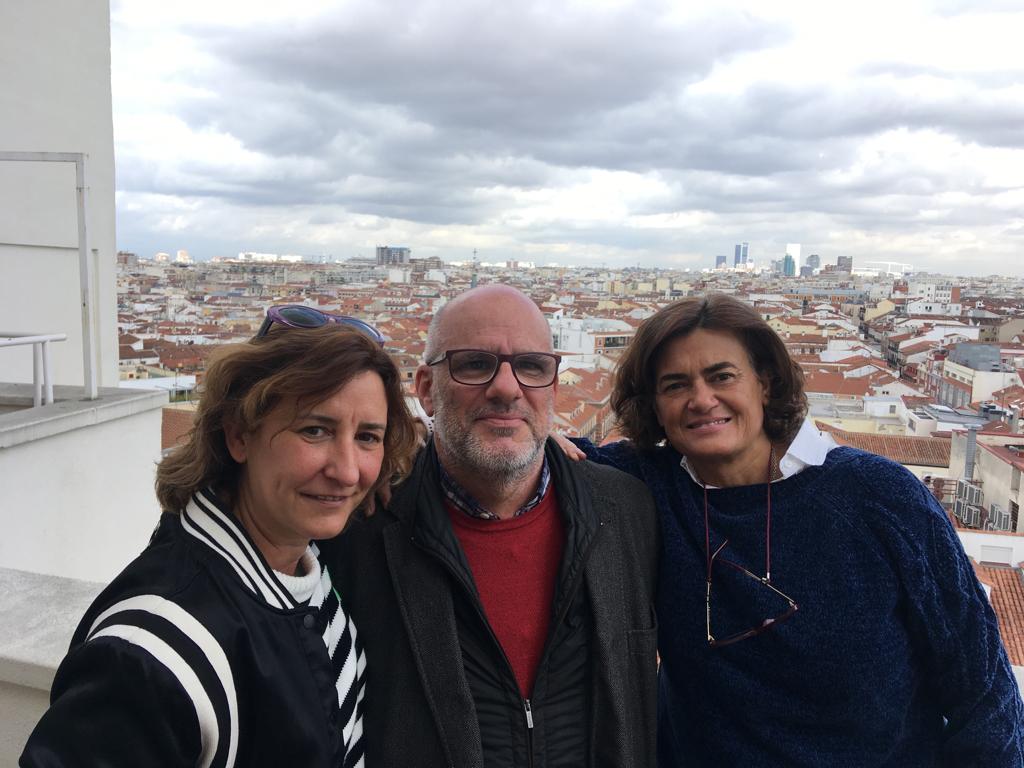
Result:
<point x="440" y="691"/>
<point x="197" y="655"/>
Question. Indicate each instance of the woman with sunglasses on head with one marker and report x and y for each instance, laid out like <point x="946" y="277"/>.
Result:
<point x="815" y="606"/>
<point x="224" y="642"/>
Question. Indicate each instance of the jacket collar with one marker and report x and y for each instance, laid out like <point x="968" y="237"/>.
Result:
<point x="212" y="524"/>
<point x="579" y="513"/>
<point x="419" y="506"/>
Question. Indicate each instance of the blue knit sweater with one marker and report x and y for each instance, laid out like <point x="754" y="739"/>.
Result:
<point x="893" y="659"/>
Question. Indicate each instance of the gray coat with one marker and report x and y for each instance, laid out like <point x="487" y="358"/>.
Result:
<point x="397" y="573"/>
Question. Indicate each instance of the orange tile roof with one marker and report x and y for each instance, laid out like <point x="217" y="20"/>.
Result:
<point x="922" y="346"/>
<point x="175" y="426"/>
<point x="856" y="361"/>
<point x="1008" y="602"/>
<point x="912" y="450"/>
<point x="807" y="338"/>
<point x="834" y="384"/>
<point x="595" y="385"/>
<point x="1011" y="395"/>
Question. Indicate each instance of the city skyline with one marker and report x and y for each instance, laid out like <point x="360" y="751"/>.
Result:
<point x="617" y="133"/>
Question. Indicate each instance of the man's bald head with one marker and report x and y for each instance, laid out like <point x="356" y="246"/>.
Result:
<point x="486" y="299"/>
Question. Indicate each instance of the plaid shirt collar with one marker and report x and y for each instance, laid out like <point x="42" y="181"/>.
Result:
<point x="458" y="495"/>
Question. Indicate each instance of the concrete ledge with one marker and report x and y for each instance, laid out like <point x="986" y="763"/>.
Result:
<point x="69" y="411"/>
<point x="40" y="615"/>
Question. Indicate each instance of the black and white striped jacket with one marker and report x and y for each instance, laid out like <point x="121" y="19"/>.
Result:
<point x="197" y="655"/>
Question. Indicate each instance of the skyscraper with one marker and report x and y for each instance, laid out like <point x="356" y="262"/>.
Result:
<point x="740" y="254"/>
<point x="720" y="262"/>
<point x="813" y="261"/>
<point x="788" y="264"/>
<point x="844" y="264"/>
<point x="793" y="249"/>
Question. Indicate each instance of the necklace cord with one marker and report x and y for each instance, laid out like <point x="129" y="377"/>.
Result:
<point x="767" y="527"/>
<point x="707" y="534"/>
<point x="768" y="522"/>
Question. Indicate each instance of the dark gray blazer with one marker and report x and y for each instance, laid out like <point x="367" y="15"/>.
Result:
<point x="395" y="576"/>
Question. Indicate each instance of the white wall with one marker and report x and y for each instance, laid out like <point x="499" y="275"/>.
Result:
<point x="20" y="709"/>
<point x="987" y="382"/>
<point x="40" y="614"/>
<point x="55" y="60"/>
<point x="83" y="505"/>
<point x="975" y="543"/>
<point x="882" y="406"/>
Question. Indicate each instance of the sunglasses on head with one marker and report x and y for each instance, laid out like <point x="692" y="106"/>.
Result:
<point x="300" y="316"/>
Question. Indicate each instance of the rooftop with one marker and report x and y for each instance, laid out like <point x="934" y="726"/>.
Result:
<point x="1007" y="598"/>
<point x="913" y="451"/>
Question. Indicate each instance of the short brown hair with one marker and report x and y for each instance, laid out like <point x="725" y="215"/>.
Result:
<point x="633" y="394"/>
<point x="245" y="382"/>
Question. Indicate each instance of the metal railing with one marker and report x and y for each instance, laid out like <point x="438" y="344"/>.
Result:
<point x="42" y="377"/>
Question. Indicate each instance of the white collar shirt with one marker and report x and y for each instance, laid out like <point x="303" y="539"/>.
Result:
<point x="808" y="449"/>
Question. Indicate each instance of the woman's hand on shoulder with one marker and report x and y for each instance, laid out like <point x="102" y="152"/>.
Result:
<point x="568" y="447"/>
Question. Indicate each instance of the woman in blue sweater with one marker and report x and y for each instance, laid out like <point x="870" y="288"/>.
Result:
<point x="815" y="605"/>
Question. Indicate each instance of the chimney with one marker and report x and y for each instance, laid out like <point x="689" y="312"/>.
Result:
<point x="970" y="451"/>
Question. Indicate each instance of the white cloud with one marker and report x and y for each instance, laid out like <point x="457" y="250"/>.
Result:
<point x="620" y="132"/>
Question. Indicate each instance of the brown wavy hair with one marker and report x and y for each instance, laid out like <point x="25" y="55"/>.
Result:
<point x="634" y="390"/>
<point x="245" y="382"/>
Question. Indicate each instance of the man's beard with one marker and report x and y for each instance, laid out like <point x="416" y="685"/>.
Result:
<point x="465" y="448"/>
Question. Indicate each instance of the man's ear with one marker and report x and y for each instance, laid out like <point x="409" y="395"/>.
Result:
<point x="236" y="442"/>
<point x="424" y="378"/>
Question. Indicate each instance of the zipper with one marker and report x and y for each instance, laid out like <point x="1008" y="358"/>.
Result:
<point x="458" y="576"/>
<point x="529" y="731"/>
<point x="570" y="594"/>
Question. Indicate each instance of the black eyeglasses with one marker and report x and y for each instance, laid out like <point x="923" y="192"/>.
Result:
<point x="300" y="316"/>
<point x="477" y="367"/>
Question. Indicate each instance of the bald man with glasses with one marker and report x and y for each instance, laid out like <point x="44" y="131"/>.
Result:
<point x="504" y="599"/>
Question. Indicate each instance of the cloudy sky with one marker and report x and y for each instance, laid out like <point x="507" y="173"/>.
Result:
<point x="592" y="132"/>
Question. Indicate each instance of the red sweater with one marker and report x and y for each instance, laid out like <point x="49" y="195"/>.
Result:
<point x="515" y="565"/>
